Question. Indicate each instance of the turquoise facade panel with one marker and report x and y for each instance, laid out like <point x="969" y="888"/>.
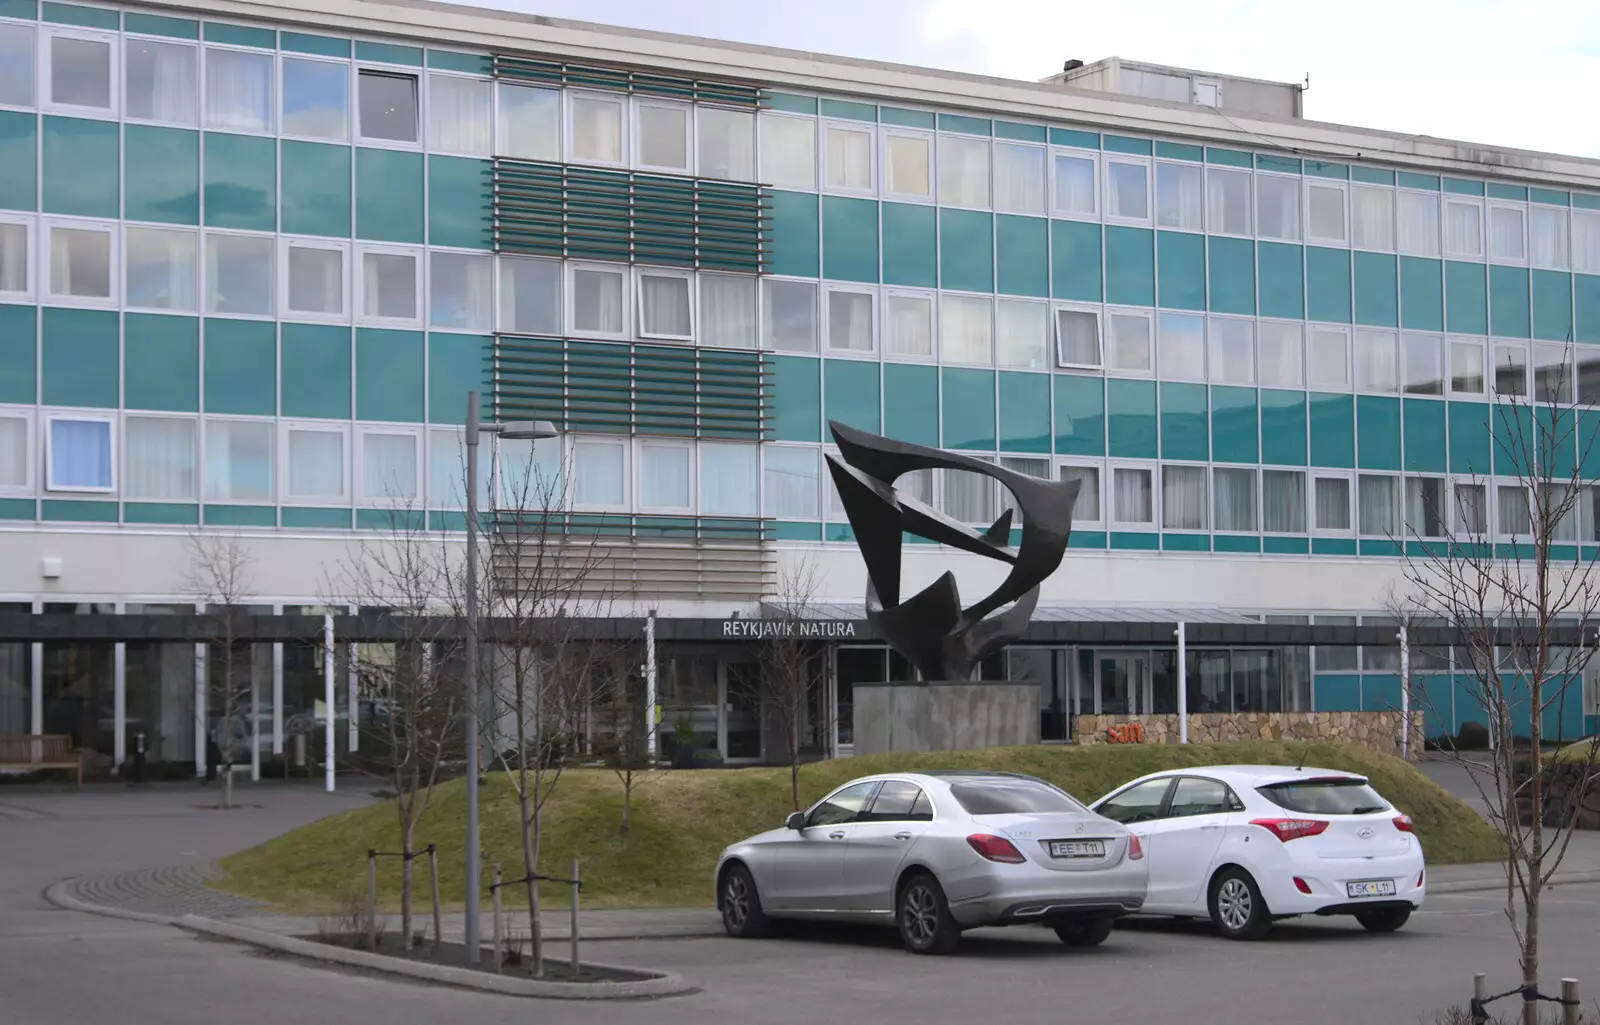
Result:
<point x="1466" y="298"/>
<point x="1282" y="277"/>
<point x="849" y="239"/>
<point x="19" y="351"/>
<point x="389" y="195"/>
<point x="1024" y="412"/>
<point x="161" y="362"/>
<point x="969" y="409"/>
<point x="1377" y="297"/>
<point x="1421" y="294"/>
<point x="910" y="245"/>
<point x="797" y="400"/>
<point x="1586" y="307"/>
<point x="1022" y="255"/>
<point x="390" y="373"/>
<point x="1469" y="438"/>
<point x="1080" y="420"/>
<point x="457" y="364"/>
<point x="78" y="510"/>
<point x="966" y="250"/>
<point x="1426" y="434"/>
<point x="79" y="167"/>
<point x="460" y="202"/>
<point x="1283" y="427"/>
<point x="241" y="367"/>
<point x="1184" y="432"/>
<point x="241" y="182"/>
<point x="19" y="155"/>
<point x="1509" y="313"/>
<point x="852" y="394"/>
<point x="316" y="189"/>
<point x="1180" y="270"/>
<point x="316" y="372"/>
<point x="1131" y="424"/>
<point x="1075" y="262"/>
<point x="1333" y="430"/>
<point x="1328" y="284"/>
<point x="1377" y="432"/>
<point x="1231" y="275"/>
<point x="80" y="364"/>
<point x="1130" y="266"/>
<point x="912" y="412"/>
<point x="1552" y="305"/>
<point x="161" y="174"/>
<point x="1235" y="425"/>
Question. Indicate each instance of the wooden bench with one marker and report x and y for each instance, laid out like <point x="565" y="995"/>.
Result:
<point x="41" y="751"/>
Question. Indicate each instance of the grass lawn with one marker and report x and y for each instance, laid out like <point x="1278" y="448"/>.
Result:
<point x="682" y="820"/>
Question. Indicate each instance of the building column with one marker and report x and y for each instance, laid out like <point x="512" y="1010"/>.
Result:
<point x="353" y="699"/>
<point x="277" y="698"/>
<point x="119" y="704"/>
<point x="200" y="737"/>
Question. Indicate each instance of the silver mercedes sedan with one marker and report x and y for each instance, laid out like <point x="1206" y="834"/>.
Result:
<point x="935" y="853"/>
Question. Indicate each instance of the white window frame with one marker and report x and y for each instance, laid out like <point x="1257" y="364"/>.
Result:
<point x="570" y="457"/>
<point x="1491" y="382"/>
<point x="1335" y="185"/>
<point x="1104" y="197"/>
<point x="351" y="99"/>
<point x="44" y="253"/>
<point x="642" y="449"/>
<point x="1205" y="347"/>
<point x="1046" y="197"/>
<point x="205" y="279"/>
<point x="1306" y="497"/>
<point x="44" y="56"/>
<point x="199" y="265"/>
<point x="1400" y="503"/>
<point x="1348" y="386"/>
<point x="932" y="298"/>
<point x="1568" y="376"/>
<point x="988" y="152"/>
<point x="1439" y="201"/>
<point x="1565" y="215"/>
<point x="1488" y="223"/>
<point x="1441" y="348"/>
<point x="274" y="482"/>
<point x="1098" y="522"/>
<point x="1302" y="220"/>
<point x="1446" y="201"/>
<point x="1314" y="474"/>
<point x="275" y="81"/>
<point x="642" y="271"/>
<point x="1394" y="215"/>
<point x="1099" y="333"/>
<point x="1305" y="333"/>
<point x="699" y="474"/>
<point x="1143" y="313"/>
<point x="1592" y="264"/>
<point x="33" y="30"/>
<point x="873" y="156"/>
<point x="33" y="251"/>
<point x="927" y="139"/>
<point x="1093" y="157"/>
<point x="121" y="474"/>
<point x="502" y="320"/>
<point x="31" y="448"/>
<point x="287" y="242"/>
<point x="1108" y="488"/>
<point x="624" y="121"/>
<point x="283" y="454"/>
<point x="50" y="416"/>
<point x="1211" y="338"/>
<point x="1456" y="528"/>
<point x="698" y="137"/>
<point x="358" y="455"/>
<point x="1413" y="531"/>
<point x="1155" y="192"/>
<point x="425" y="107"/>
<point x="1224" y="171"/>
<point x="1501" y="536"/>
<point x="1161" y="494"/>
<point x="1397" y="363"/>
<point x="358" y="277"/>
<point x="824" y="483"/>
<point x="133" y="39"/>
<point x="1450" y="342"/>
<point x="635" y="134"/>
<point x="1258" y="526"/>
<point x="359" y="138"/>
<point x="877" y="317"/>
<point x="765" y="117"/>
<point x="569" y="287"/>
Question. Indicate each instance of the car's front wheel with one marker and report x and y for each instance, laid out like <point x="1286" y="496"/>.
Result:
<point x="926" y="925"/>
<point x="1090" y="932"/>
<point x="1386" y="920"/>
<point x="742" y="915"/>
<point x="1237" y="908"/>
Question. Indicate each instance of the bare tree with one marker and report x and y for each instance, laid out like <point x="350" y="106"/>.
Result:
<point x="793" y="668"/>
<point x="626" y="729"/>
<point x="1512" y="610"/>
<point x="217" y="573"/>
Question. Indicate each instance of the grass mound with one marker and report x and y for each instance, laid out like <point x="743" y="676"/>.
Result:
<point x="683" y="820"/>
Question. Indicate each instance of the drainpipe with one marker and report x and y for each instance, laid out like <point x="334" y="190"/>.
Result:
<point x="1183" y="685"/>
<point x="329" y="720"/>
<point x="1405" y="693"/>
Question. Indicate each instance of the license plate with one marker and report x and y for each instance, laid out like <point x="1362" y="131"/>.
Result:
<point x="1375" y="888"/>
<point x="1077" y="848"/>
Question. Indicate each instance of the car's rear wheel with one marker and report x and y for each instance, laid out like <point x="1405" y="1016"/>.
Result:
<point x="926" y="926"/>
<point x="1386" y="920"/>
<point x="742" y="915"/>
<point x="1237" y="908"/>
<point x="1088" y="932"/>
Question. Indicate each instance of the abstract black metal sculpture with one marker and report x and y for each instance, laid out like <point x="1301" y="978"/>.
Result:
<point x="940" y="638"/>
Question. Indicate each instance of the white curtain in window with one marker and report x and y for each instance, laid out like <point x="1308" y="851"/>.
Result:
<point x="1471" y="510"/>
<point x="80" y="454"/>
<point x="1031" y="466"/>
<point x="664" y="305"/>
<point x="596" y="129"/>
<point x="1132" y="497"/>
<point x="917" y="485"/>
<point x="910" y="322"/>
<point x="1181" y="347"/>
<point x="664" y="136"/>
<point x="1022" y="334"/>
<point x="316" y="280"/>
<point x="1372" y="217"/>
<point x="1325" y="211"/>
<point x="1426" y="507"/>
<point x="1423" y="364"/>
<point x="530" y="122"/>
<point x="1233" y="357"/>
<point x="1330" y="358"/>
<point x="1586" y="241"/>
<point x="238" y="461"/>
<point x="1419" y="225"/>
<point x="1463" y="226"/>
<point x="849" y="158"/>
<point x="1018" y="178"/>
<point x="963" y="171"/>
<point x="729" y="480"/>
<point x="1074" y="184"/>
<point x="159" y="458"/>
<point x="599" y="473"/>
<point x="1506" y="240"/>
<point x="530" y="296"/>
<point x="1234" y="493"/>
<point x="80" y="262"/>
<point x="1376" y="364"/>
<point x="850" y="321"/>
<point x="316" y="464"/>
<point x="389" y="286"/>
<point x="1333" y="503"/>
<point x="966" y="325"/>
<point x="1180" y="196"/>
<point x="792" y="485"/>
<point x="531" y="476"/>
<point x="1281" y="346"/>
<point x="969" y="497"/>
<point x="597" y="301"/>
<point x="160" y="268"/>
<point x="1183" y="497"/>
<point x="16" y="65"/>
<point x="1547" y="237"/>
<point x="1278" y="207"/>
<point x="388" y="467"/>
<point x="238" y="90"/>
<point x="162" y="84"/>
<point x="788" y="151"/>
<point x="1077" y="338"/>
<point x="1087" y="507"/>
<point x="1515" y="512"/>
<point x="1283" y="501"/>
<point x="1127" y="190"/>
<point x="13" y="258"/>
<point x="909" y="164"/>
<point x="1379" y="506"/>
<point x="727" y="143"/>
<point x="1228" y="200"/>
<point x="728" y="311"/>
<point x="1130" y="341"/>
<point x="664" y="476"/>
<point x="460" y="114"/>
<point x="13" y="452"/>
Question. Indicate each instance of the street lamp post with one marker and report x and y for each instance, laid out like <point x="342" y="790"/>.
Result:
<point x="522" y="429"/>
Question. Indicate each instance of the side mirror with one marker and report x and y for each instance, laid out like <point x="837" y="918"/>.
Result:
<point x="796" y="820"/>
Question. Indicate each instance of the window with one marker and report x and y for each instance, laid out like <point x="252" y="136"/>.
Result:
<point x="1466" y="367"/>
<point x="1547" y="237"/>
<point x="1277" y="207"/>
<point x="1333" y="504"/>
<point x="389" y="285"/>
<point x="460" y="115"/>
<point x="1077" y="338"/>
<point x="900" y="802"/>
<point x="238" y="464"/>
<point x="1228" y="200"/>
<point x="239" y="277"/>
<point x="1180" y="196"/>
<point x="1342" y="658"/>
<point x="314" y="279"/>
<point x="16" y="65"/>
<point x="1511" y="369"/>
<point x="1423" y="364"/>
<point x="1324" y="797"/>
<point x="161" y="82"/>
<point x="790" y="309"/>
<point x="530" y="122"/>
<point x="1127" y="190"/>
<point x="596" y="129"/>
<point x="161" y="268"/>
<point x="1183" y="497"/>
<point x="530" y="475"/>
<point x="80" y="71"/>
<point x="599" y="473"/>
<point x="1196" y="796"/>
<point x="969" y="497"/>
<point x="1281" y="348"/>
<point x="843" y="806"/>
<point x="1019" y="185"/>
<point x="1508" y="240"/>
<point x="16" y="264"/>
<point x="728" y="311"/>
<point x="1075" y="185"/>
<point x="159" y="458"/>
<point x="16" y="470"/>
<point x="530" y="296"/>
<point x="1181" y="347"/>
<point x="1471" y="510"/>
<point x="666" y="480"/>
<point x="1463" y="226"/>
<point x="849" y="153"/>
<point x="1426" y="508"/>
<point x="80" y="454"/>
<point x="908" y="165"/>
<point x="1513" y="511"/>
<point x="1283" y="501"/>
<point x="963" y="171"/>
<point x="1552" y="376"/>
<point x="909" y="324"/>
<point x="316" y="99"/>
<point x="316" y="470"/>
<point x="1325" y="218"/>
<point x="1140" y="803"/>
<point x="1132" y="496"/>
<point x="1022" y="334"/>
<point x="666" y="305"/>
<point x="1586" y="241"/>
<point x="1086" y="509"/>
<point x="1379" y="513"/>
<point x="388" y="467"/>
<point x="388" y="106"/>
<point x="1372" y="219"/>
<point x="1588" y="376"/>
<point x="1329" y="365"/>
<point x="238" y="90"/>
<point x="727" y="141"/>
<point x="447" y="469"/>
<point x="788" y="151"/>
<point x="1129" y="341"/>
<point x="460" y="286"/>
<point x="729" y="479"/>
<point x="850" y="320"/>
<point x="790" y="479"/>
<point x="597" y="305"/>
<point x="966" y="328"/>
<point x="1233" y="357"/>
<point x="1234" y="498"/>
<point x="80" y="262"/>
<point x="1376" y="365"/>
<point x="1012" y="797"/>
<point x="664" y="135"/>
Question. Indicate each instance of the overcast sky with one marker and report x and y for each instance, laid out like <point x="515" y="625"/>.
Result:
<point x="1488" y="71"/>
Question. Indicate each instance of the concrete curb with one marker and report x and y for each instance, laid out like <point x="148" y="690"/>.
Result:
<point x="660" y="984"/>
<point x="1482" y="885"/>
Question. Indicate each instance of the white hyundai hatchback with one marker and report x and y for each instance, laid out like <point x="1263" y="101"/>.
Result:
<point x="1248" y="844"/>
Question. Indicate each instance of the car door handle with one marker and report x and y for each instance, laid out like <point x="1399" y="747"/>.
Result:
<point x="1212" y="825"/>
<point x="902" y="836"/>
<point x="836" y="836"/>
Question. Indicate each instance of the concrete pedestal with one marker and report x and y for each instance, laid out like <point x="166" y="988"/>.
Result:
<point x="944" y="716"/>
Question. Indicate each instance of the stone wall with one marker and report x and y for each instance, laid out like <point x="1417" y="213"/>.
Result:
<point x="1571" y="795"/>
<point x="1377" y="730"/>
<point x="944" y="716"/>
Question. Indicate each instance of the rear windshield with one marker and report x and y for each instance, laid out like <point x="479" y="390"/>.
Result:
<point x="1325" y="797"/>
<point x="1011" y="797"/>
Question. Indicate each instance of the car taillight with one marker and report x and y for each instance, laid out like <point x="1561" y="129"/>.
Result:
<point x="1420" y="877"/>
<point x="1302" y="885"/>
<point x="1291" y="829"/>
<point x="995" y="848"/>
<point x="1135" y="848"/>
<point x="1404" y="824"/>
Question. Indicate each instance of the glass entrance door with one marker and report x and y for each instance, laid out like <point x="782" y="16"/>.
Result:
<point x="741" y="700"/>
<point x="1123" y="683"/>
